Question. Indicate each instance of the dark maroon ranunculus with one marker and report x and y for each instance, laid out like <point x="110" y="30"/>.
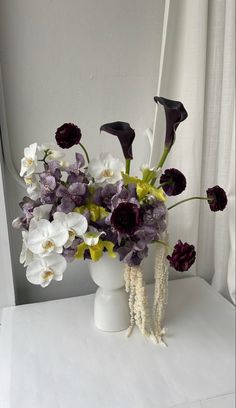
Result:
<point x="182" y="257"/>
<point x="68" y="135"/>
<point x="175" y="113"/>
<point x="124" y="133"/>
<point x="174" y="182"/>
<point x="217" y="198"/>
<point x="126" y="218"/>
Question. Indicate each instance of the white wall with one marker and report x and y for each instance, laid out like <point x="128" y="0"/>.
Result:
<point x="7" y="297"/>
<point x="82" y="61"/>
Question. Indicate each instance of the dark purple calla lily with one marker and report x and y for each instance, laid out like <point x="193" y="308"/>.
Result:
<point x="125" y="135"/>
<point x="175" y="114"/>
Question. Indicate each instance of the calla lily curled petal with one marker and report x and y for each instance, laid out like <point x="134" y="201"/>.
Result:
<point x="124" y="133"/>
<point x="175" y="114"/>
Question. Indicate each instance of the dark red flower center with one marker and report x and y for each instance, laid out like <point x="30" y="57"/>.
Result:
<point x="126" y="218"/>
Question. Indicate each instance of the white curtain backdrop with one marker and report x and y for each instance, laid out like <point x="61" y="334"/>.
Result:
<point x="198" y="69"/>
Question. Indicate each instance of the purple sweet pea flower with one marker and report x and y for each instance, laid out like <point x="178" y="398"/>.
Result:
<point x="217" y="198"/>
<point x="183" y="256"/>
<point x="124" y="133"/>
<point x="69" y="253"/>
<point x="53" y="167"/>
<point x="175" y="113"/>
<point x="48" y="183"/>
<point x="68" y="135"/>
<point x="173" y="182"/>
<point x="28" y="205"/>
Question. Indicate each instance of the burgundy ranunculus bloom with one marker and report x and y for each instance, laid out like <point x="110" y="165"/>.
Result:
<point x="175" y="113"/>
<point x="217" y="198"/>
<point x="183" y="256"/>
<point x="68" y="135"/>
<point x="176" y="182"/>
<point x="124" y="133"/>
<point x="126" y="218"/>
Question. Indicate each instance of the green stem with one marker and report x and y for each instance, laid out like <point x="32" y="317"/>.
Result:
<point x="188" y="199"/>
<point x="161" y="162"/>
<point x="163" y="243"/>
<point x="127" y="166"/>
<point x="163" y="157"/>
<point x="165" y="184"/>
<point x="85" y="152"/>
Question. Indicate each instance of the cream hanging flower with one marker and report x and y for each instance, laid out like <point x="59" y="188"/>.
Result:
<point x="43" y="270"/>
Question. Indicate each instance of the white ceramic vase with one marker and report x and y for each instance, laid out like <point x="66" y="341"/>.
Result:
<point x="111" y="308"/>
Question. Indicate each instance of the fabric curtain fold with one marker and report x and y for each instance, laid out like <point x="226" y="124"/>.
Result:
<point x="198" y="69"/>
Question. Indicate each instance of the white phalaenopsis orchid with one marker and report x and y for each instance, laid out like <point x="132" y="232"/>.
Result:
<point x="106" y="168"/>
<point x="41" y="271"/>
<point x="47" y="237"/>
<point x="26" y="256"/>
<point x="76" y="225"/>
<point x="42" y="211"/>
<point x="29" y="161"/>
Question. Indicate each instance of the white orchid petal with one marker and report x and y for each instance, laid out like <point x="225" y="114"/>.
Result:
<point x="72" y="222"/>
<point x="42" y="271"/>
<point x="106" y="168"/>
<point x="42" y="211"/>
<point x="78" y="223"/>
<point x="58" y="233"/>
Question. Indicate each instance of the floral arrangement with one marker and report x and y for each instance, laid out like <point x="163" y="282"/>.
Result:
<point x="91" y="207"/>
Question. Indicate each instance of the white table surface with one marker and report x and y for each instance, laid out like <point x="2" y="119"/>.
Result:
<point x="51" y="356"/>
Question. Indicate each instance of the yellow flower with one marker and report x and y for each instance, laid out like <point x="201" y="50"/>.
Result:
<point x="96" y="251"/>
<point x="144" y="188"/>
<point x="96" y="212"/>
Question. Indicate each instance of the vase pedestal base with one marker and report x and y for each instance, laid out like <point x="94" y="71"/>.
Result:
<point x="111" y="310"/>
<point x="111" y="306"/>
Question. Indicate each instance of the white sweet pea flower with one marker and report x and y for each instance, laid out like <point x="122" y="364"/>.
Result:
<point x="64" y="164"/>
<point x="16" y="223"/>
<point x="75" y="223"/>
<point x="47" y="237"/>
<point x="42" y="270"/>
<point x="106" y="168"/>
<point x="52" y="152"/>
<point x="26" y="256"/>
<point x="34" y="190"/>
<point x="29" y="161"/>
<point x="42" y="211"/>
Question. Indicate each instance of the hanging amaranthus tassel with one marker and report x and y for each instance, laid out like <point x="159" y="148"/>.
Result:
<point x="160" y="289"/>
<point x="138" y="305"/>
